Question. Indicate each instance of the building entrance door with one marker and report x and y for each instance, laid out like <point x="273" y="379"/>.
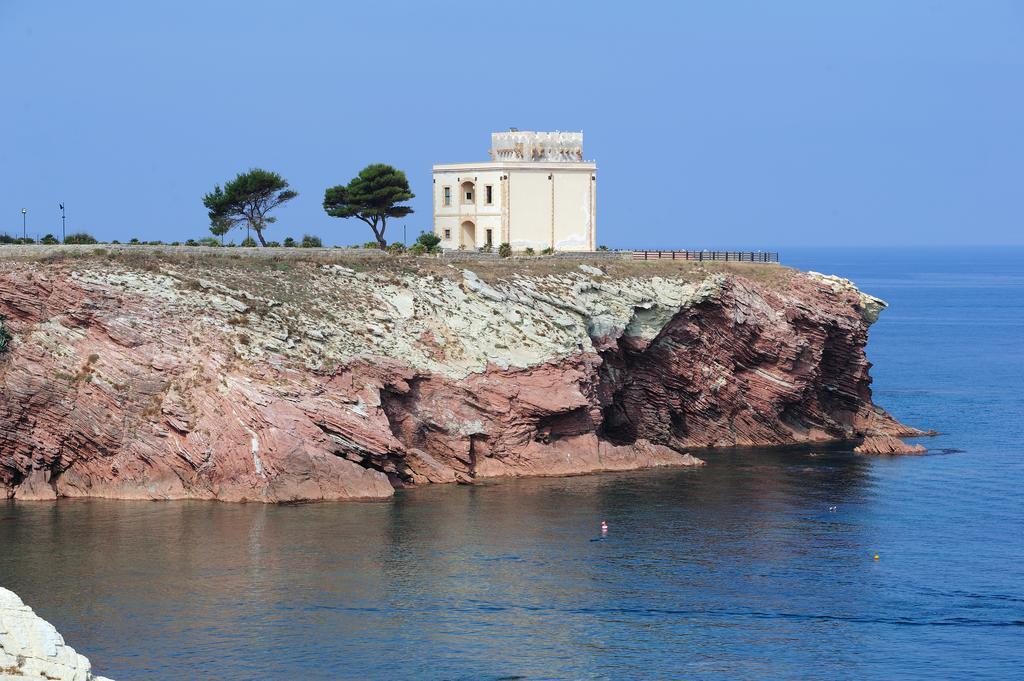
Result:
<point x="468" y="234"/>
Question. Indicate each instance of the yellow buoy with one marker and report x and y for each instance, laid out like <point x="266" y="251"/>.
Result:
<point x="876" y="556"/>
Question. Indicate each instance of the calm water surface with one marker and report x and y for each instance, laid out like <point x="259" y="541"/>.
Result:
<point x="737" y="570"/>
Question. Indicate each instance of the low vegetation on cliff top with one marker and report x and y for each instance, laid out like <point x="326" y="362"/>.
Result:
<point x="490" y="270"/>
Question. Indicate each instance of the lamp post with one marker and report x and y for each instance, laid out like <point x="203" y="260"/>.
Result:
<point x="24" y="233"/>
<point x="63" y="234"/>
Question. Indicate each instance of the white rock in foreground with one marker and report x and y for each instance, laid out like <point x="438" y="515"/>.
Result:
<point x="31" y="648"/>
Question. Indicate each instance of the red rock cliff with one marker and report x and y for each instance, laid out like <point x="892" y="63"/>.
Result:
<point x="276" y="382"/>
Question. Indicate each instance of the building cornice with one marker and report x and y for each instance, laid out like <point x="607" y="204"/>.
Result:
<point x="516" y="165"/>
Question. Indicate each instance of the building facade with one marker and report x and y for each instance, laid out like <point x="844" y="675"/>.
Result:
<point x="535" y="192"/>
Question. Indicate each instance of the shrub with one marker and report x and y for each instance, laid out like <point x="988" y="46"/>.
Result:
<point x="81" y="238"/>
<point x="529" y="251"/>
<point x="371" y="244"/>
<point x="417" y="249"/>
<point x="289" y="242"/>
<point x="134" y="242"/>
<point x="191" y="242"/>
<point x="248" y="242"/>
<point x="602" y="248"/>
<point x="273" y="244"/>
<point x="5" y="335"/>
<point x="396" y="248"/>
<point x="175" y="243"/>
<point x="486" y="249"/>
<point x="429" y="241"/>
<point x="49" y="240"/>
<point x="154" y="243"/>
<point x="505" y="250"/>
<point x="548" y="251"/>
<point x="209" y="241"/>
<point x="310" y="241"/>
<point x="7" y="239"/>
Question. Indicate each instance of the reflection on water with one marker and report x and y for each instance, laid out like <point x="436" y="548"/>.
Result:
<point x="737" y="569"/>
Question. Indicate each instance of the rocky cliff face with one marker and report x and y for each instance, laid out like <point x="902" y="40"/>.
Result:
<point x="237" y="380"/>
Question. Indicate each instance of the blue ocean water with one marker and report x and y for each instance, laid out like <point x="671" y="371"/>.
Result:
<point x="736" y="570"/>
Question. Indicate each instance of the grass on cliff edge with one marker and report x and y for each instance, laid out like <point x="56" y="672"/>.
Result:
<point x="296" y="264"/>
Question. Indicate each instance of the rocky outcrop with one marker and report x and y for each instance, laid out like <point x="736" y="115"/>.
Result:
<point x="297" y="381"/>
<point x="31" y="648"/>
<point x="886" y="444"/>
<point x="749" y="366"/>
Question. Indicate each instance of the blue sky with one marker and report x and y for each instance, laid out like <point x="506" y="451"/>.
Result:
<point x="729" y="124"/>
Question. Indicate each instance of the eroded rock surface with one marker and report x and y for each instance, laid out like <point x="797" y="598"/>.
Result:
<point x="31" y="648"/>
<point x="298" y="381"/>
<point x="887" y="444"/>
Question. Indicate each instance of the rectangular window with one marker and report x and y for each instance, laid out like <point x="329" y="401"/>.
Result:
<point x="447" y="235"/>
<point x="469" y="196"/>
<point x="489" y="242"/>
<point x="490" y="194"/>
<point x="447" y="196"/>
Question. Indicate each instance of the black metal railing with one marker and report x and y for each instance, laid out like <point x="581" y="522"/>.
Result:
<point x="700" y="256"/>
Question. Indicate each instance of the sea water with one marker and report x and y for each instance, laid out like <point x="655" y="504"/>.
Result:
<point x="759" y="565"/>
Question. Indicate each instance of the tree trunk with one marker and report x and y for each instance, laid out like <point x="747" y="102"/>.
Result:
<point x="379" y="236"/>
<point x="259" y="235"/>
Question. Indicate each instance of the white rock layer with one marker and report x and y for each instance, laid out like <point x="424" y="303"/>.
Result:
<point x="31" y="648"/>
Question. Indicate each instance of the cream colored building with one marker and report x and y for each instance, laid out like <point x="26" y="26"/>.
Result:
<point x="536" y="192"/>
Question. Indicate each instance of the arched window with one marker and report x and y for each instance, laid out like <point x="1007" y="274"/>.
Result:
<point x="468" y="192"/>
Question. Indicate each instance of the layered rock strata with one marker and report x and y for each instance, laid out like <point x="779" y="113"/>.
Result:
<point x="887" y="444"/>
<point x="300" y="381"/>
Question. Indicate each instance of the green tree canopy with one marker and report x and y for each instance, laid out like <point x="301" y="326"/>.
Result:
<point x="373" y="197"/>
<point x="246" y="200"/>
<point x="220" y="227"/>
